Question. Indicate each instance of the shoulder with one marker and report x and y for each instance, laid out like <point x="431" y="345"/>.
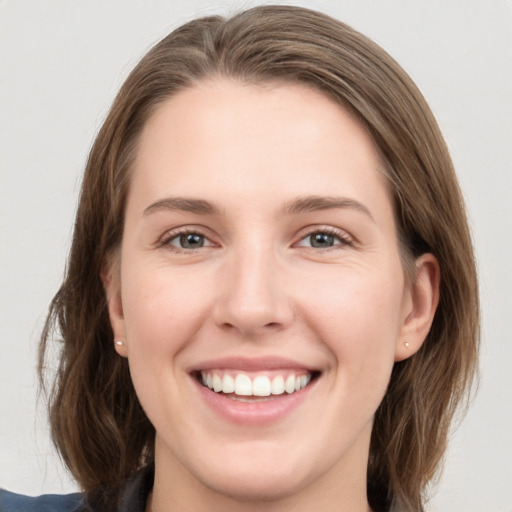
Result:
<point x="133" y="499"/>
<point x="12" y="502"/>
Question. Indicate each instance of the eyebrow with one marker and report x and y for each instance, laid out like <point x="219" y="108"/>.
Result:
<point x="185" y="204"/>
<point x="298" y="205"/>
<point x="318" y="203"/>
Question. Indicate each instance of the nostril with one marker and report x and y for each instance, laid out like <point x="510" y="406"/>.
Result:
<point x="249" y="328"/>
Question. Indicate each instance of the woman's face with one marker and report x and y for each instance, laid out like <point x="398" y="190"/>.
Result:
<point x="259" y="257"/>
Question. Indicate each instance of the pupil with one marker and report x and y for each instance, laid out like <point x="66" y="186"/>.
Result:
<point x="191" y="241"/>
<point x="322" y="240"/>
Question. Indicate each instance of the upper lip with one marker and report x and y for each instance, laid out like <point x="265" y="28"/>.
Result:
<point x="252" y="364"/>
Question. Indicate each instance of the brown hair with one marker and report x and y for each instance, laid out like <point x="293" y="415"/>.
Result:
<point x="97" y="422"/>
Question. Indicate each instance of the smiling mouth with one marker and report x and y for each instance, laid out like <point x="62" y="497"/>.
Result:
<point x="245" y="387"/>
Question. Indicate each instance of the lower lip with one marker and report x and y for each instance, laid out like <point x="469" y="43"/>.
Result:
<point x="253" y="413"/>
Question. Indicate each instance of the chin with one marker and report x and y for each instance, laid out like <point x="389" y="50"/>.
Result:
<point x="254" y="484"/>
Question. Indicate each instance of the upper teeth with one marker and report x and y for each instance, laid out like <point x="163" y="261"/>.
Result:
<point x="260" y="385"/>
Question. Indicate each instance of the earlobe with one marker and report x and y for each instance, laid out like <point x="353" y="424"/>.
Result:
<point x="423" y="301"/>
<point x="111" y="285"/>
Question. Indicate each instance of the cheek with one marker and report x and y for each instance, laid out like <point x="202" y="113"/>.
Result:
<point x="163" y="312"/>
<point x="357" y="316"/>
<point x="351" y="304"/>
<point x="162" y="309"/>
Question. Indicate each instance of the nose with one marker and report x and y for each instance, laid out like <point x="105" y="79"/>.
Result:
<point x="253" y="297"/>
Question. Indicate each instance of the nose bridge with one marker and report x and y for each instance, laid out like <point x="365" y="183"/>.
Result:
<point x="253" y="296"/>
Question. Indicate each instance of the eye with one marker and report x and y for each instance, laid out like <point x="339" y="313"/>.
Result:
<point x="187" y="241"/>
<point x="324" y="239"/>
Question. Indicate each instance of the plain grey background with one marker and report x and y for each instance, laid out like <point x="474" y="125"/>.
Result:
<point x="61" y="63"/>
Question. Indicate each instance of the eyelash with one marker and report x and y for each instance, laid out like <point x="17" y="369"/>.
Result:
<point x="173" y="235"/>
<point x="343" y="239"/>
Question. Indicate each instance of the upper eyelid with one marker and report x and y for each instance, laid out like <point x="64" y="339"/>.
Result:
<point x="173" y="233"/>
<point x="331" y="230"/>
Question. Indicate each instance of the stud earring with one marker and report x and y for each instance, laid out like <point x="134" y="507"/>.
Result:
<point x="406" y="343"/>
<point x="119" y="343"/>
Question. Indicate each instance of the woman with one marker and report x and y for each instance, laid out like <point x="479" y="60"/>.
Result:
<point x="271" y="298"/>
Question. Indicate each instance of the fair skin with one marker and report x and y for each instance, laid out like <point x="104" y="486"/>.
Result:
<point x="260" y="242"/>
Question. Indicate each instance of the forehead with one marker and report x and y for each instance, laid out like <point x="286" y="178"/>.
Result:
<point x="255" y="139"/>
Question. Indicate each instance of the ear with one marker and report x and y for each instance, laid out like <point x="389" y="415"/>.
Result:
<point x="110" y="276"/>
<point x="420" y="307"/>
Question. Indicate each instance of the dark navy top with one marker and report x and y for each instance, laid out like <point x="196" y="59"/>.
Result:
<point x="134" y="497"/>
<point x="12" y="502"/>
